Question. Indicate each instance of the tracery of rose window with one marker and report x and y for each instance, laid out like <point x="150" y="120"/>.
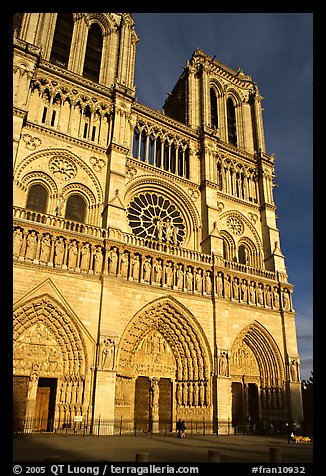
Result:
<point x="154" y="216"/>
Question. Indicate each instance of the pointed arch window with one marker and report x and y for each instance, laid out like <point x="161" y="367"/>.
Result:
<point x="62" y="39"/>
<point x="93" y="55"/>
<point x="37" y="198"/>
<point x="76" y="208"/>
<point x="242" y="255"/>
<point x="232" y="127"/>
<point x="214" y="116"/>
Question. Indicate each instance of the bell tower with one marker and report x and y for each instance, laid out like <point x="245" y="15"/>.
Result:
<point x="235" y="171"/>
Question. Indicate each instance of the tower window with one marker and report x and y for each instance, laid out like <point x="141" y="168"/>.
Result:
<point x="37" y="198"/>
<point x="242" y="255"/>
<point x="92" y="62"/>
<point x="214" y="118"/>
<point x="76" y="208"/>
<point x="45" y="110"/>
<point x="62" y="39"/>
<point x="232" y="129"/>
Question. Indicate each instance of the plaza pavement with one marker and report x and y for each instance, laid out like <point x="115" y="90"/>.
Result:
<point x="158" y="448"/>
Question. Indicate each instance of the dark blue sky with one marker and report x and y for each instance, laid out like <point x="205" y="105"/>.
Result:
<point x="275" y="49"/>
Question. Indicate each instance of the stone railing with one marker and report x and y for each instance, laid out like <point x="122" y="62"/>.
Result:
<point x="60" y="244"/>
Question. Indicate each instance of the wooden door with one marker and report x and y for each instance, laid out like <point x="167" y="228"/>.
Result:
<point x="142" y="404"/>
<point x="165" y="404"/>
<point x="41" y="415"/>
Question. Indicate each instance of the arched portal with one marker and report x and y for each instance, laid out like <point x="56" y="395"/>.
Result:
<point x="164" y="361"/>
<point x="50" y="362"/>
<point x="258" y="381"/>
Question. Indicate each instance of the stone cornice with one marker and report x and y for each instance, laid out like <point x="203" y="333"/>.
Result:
<point x="43" y="130"/>
<point x="74" y="79"/>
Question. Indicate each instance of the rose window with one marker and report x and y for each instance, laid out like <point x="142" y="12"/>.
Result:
<point x="155" y="217"/>
<point x="235" y="225"/>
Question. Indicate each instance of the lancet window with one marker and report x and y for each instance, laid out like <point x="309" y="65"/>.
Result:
<point x="76" y="208"/>
<point x="166" y="154"/>
<point x="62" y="39"/>
<point x="37" y="198"/>
<point x="93" y="55"/>
<point x="231" y="121"/>
<point x="214" y="116"/>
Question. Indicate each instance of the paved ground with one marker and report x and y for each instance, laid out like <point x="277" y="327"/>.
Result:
<point x="166" y="449"/>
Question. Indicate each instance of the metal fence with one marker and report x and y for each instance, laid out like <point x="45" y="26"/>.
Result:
<point x="119" y="426"/>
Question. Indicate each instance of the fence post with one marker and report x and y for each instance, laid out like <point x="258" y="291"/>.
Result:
<point x="98" y="426"/>
<point x="120" y="431"/>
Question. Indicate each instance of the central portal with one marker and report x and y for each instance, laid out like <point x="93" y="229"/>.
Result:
<point x="153" y="404"/>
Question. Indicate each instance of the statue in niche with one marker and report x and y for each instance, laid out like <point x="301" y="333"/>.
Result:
<point x="208" y="282"/>
<point x="72" y="254"/>
<point x="180" y="277"/>
<point x="98" y="260"/>
<point x="113" y="260"/>
<point x="227" y="287"/>
<point x="276" y="300"/>
<point x="147" y="270"/>
<point x="286" y="300"/>
<point x="17" y="244"/>
<point x="235" y="289"/>
<point x="85" y="257"/>
<point x="220" y="285"/>
<point x="45" y="248"/>
<point x="158" y="271"/>
<point x="294" y="370"/>
<point x="223" y="364"/>
<point x="243" y="291"/>
<point x="198" y="280"/>
<point x="269" y="296"/>
<point x="135" y="267"/>
<point x="260" y="295"/>
<point x="108" y="351"/>
<point x="31" y="245"/>
<point x="252" y="292"/>
<point x="189" y="279"/>
<point x="124" y="264"/>
<point x="168" y="274"/>
<point x="59" y="249"/>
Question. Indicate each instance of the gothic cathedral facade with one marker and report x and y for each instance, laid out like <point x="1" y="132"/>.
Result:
<point x="149" y="282"/>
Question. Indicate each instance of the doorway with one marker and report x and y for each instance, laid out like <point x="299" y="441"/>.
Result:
<point x="45" y="404"/>
<point x="253" y="403"/>
<point x="143" y="416"/>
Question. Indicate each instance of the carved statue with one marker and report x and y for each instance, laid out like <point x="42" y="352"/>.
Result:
<point x="113" y="260"/>
<point x="168" y="275"/>
<point x="31" y="245"/>
<point x="45" y="248"/>
<point x="98" y="260"/>
<point x="72" y="255"/>
<point x="124" y="264"/>
<point x="180" y="277"/>
<point x="147" y="270"/>
<point x="59" y="251"/>
<point x="18" y="239"/>
<point x="107" y="359"/>
<point x="85" y="257"/>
